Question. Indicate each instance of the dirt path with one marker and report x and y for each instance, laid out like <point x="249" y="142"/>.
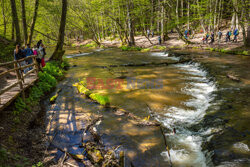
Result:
<point x="175" y="42"/>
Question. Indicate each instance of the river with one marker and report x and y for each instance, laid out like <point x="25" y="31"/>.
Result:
<point x="208" y="112"/>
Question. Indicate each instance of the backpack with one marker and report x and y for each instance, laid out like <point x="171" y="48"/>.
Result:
<point x="229" y="33"/>
<point x="29" y="52"/>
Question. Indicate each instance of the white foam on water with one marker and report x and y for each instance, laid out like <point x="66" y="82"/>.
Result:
<point x="186" y="147"/>
<point x="98" y="50"/>
<point x="241" y="147"/>
<point x="78" y="55"/>
<point x="164" y="55"/>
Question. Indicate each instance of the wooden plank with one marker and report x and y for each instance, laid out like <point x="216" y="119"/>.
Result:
<point x="15" y="94"/>
<point x="9" y="87"/>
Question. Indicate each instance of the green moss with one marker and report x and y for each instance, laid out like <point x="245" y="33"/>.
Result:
<point x="81" y="87"/>
<point x="103" y="100"/>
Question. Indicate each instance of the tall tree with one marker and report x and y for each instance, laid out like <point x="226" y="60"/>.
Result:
<point x="15" y="20"/>
<point x="58" y="53"/>
<point x="25" y="34"/>
<point x="33" y="21"/>
<point x="130" y="24"/>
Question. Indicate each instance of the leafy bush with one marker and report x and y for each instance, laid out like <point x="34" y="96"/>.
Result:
<point x="47" y="81"/>
<point x="54" y="69"/>
<point x="245" y="53"/>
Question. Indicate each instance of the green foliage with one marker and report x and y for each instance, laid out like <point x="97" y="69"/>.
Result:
<point x="145" y="50"/>
<point x="3" y="155"/>
<point x="39" y="164"/>
<point x="55" y="69"/>
<point x="159" y="47"/>
<point x="47" y="81"/>
<point x="20" y="106"/>
<point x="6" y="52"/>
<point x="246" y="53"/>
<point x="91" y="45"/>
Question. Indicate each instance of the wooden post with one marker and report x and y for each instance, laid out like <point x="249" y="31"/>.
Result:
<point x="19" y="77"/>
<point x="36" y="66"/>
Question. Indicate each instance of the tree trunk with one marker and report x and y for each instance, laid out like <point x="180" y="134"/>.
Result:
<point x="15" y="20"/>
<point x="247" y="43"/>
<point x="201" y="18"/>
<point x="215" y="14"/>
<point x="182" y="8"/>
<point x="188" y="14"/>
<point x="12" y="30"/>
<point x="4" y="18"/>
<point x="219" y="15"/>
<point x="177" y="12"/>
<point x="33" y="21"/>
<point x="58" y="53"/>
<point x="25" y="34"/>
<point x="162" y="22"/>
<point x="130" y="25"/>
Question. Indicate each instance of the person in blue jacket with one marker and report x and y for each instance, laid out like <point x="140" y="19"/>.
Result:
<point x="29" y="52"/>
<point x="236" y="33"/>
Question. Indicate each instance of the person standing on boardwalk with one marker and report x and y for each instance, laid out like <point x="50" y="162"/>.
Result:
<point x="29" y="52"/>
<point x="19" y="54"/>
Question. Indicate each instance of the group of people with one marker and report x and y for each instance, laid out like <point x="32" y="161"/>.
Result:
<point x="220" y="34"/>
<point x="22" y="52"/>
<point x="152" y="33"/>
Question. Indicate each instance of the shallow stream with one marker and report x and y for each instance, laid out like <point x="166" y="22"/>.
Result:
<point x="184" y="97"/>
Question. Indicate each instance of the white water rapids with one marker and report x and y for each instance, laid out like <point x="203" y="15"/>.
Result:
<point x="186" y="144"/>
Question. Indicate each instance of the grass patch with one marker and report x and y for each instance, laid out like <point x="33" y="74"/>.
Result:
<point x="145" y="50"/>
<point x="91" y="45"/>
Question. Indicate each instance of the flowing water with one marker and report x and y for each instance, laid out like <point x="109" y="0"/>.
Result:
<point x="183" y="97"/>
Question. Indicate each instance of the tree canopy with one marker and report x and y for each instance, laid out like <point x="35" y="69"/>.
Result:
<point x="97" y="19"/>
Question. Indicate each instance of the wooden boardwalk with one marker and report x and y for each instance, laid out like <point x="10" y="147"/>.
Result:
<point x="16" y="86"/>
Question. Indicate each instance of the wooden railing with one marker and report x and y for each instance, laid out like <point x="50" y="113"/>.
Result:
<point x="20" y="76"/>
